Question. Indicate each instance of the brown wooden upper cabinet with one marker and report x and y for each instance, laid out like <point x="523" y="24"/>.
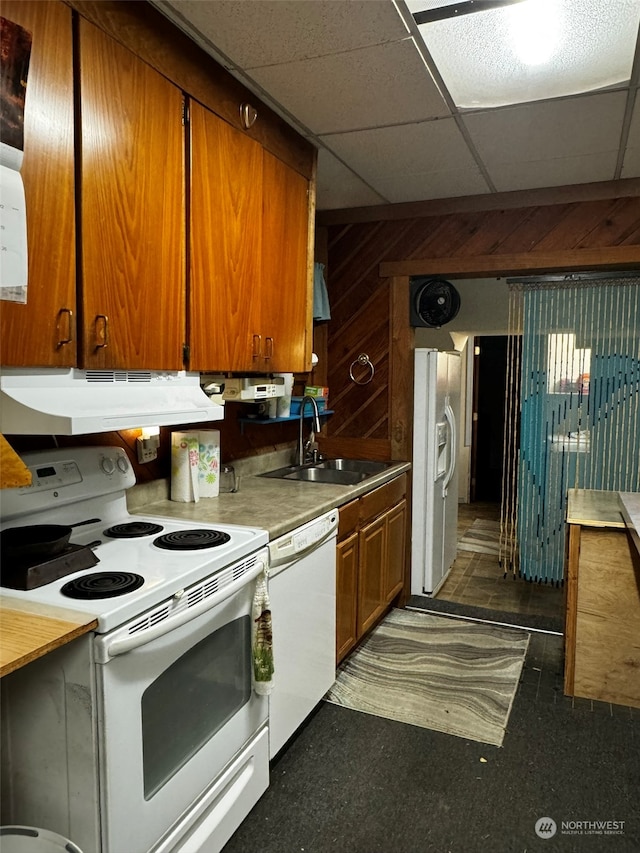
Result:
<point x="288" y="297"/>
<point x="132" y="209"/>
<point x="249" y="288"/>
<point x="126" y="306"/>
<point x="42" y="332"/>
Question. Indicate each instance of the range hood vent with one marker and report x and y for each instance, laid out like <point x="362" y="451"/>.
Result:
<point x="64" y="401"/>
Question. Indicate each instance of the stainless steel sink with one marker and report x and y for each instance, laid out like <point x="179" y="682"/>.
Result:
<point x="360" y="466"/>
<point x="326" y="475"/>
<point x="343" y="472"/>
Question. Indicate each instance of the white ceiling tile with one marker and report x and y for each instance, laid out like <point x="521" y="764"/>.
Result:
<point x="424" y="148"/>
<point x="373" y="86"/>
<point x="338" y="187"/>
<point x="548" y="130"/>
<point x="582" y="169"/>
<point x="420" y="186"/>
<point x="267" y="32"/>
<point x="631" y="164"/>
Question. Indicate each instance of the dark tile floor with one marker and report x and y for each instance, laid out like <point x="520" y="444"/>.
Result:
<point x="355" y="783"/>
<point x="477" y="578"/>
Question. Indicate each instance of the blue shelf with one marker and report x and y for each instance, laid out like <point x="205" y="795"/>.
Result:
<point x="264" y="421"/>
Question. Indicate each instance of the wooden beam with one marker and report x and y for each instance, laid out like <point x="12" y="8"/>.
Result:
<point x="571" y="260"/>
<point x="629" y="187"/>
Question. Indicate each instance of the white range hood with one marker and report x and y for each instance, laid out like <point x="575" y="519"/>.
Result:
<point x="54" y="401"/>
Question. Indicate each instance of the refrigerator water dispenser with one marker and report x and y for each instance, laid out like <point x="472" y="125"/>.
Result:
<point x="441" y="450"/>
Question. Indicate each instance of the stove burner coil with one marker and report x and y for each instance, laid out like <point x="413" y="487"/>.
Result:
<point x="190" y="540"/>
<point x="132" y="530"/>
<point x="102" y="585"/>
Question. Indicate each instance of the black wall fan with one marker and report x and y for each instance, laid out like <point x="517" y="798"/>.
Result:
<point x="433" y="302"/>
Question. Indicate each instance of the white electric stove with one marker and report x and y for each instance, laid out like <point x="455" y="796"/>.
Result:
<point x="139" y="560"/>
<point x="149" y="736"/>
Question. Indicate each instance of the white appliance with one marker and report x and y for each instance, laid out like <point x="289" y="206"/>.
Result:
<point x="253" y="388"/>
<point x="68" y="401"/>
<point x="145" y="735"/>
<point x="302" y="590"/>
<point x="435" y="483"/>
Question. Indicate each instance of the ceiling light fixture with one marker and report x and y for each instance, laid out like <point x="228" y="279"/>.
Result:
<point x="453" y="10"/>
<point x="535" y="29"/>
<point x="531" y="50"/>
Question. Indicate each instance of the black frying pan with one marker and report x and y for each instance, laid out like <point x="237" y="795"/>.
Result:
<point x="36" y="540"/>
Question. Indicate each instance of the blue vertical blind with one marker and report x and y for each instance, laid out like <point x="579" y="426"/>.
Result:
<point x="577" y="380"/>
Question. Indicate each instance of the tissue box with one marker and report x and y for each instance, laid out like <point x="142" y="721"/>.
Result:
<point x="296" y="402"/>
<point x="317" y="391"/>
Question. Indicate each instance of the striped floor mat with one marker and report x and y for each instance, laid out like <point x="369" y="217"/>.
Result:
<point x="483" y="536"/>
<point x="435" y="672"/>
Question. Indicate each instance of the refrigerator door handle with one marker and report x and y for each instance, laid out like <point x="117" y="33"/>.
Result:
<point x="453" y="444"/>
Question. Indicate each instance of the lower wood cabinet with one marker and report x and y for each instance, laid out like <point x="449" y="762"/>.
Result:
<point x="370" y="560"/>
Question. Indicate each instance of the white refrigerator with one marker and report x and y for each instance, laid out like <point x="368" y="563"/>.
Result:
<point x="436" y="417"/>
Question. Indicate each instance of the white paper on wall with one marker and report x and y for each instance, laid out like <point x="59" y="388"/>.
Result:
<point x="13" y="237"/>
<point x="14" y="60"/>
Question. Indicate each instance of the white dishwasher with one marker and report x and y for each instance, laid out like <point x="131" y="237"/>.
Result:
<point x="302" y="590"/>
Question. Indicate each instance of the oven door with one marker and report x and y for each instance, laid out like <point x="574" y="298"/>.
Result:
<point x="174" y="710"/>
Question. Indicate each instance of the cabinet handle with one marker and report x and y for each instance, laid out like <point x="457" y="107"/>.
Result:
<point x="268" y="348"/>
<point x="69" y="314"/>
<point x="257" y="346"/>
<point x="105" y="331"/>
<point x="248" y="114"/>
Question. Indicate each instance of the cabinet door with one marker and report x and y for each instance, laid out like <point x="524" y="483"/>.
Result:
<point x="372" y="559"/>
<point x="42" y="331"/>
<point x="346" y="595"/>
<point x="225" y="246"/>
<point x="132" y="209"/>
<point x="396" y="541"/>
<point x="285" y="281"/>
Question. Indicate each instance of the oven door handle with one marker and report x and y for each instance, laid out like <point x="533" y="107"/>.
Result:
<point x="128" y="644"/>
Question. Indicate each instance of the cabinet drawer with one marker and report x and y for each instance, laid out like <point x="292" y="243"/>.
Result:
<point x="348" y="519"/>
<point x="381" y="499"/>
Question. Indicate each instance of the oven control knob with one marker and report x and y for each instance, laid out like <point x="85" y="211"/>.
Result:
<point x="123" y="465"/>
<point x="107" y="465"/>
<point x="178" y="595"/>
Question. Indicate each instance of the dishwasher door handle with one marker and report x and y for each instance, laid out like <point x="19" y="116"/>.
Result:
<point x="279" y="562"/>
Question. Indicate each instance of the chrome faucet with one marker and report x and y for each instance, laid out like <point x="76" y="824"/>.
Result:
<point x="307" y="452"/>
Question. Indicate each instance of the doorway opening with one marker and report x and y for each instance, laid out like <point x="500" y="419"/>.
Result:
<point x="477" y="579"/>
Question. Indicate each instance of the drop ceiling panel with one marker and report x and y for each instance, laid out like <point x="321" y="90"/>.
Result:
<point x="535" y="174"/>
<point x="271" y="32"/>
<point x="427" y="185"/>
<point x="364" y="88"/>
<point x="383" y="154"/>
<point x="567" y="128"/>
<point x="339" y="187"/>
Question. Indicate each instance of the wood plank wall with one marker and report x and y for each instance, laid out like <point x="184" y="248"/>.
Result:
<point x="370" y="312"/>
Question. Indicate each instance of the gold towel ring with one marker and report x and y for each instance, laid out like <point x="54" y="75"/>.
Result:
<point x="365" y="361"/>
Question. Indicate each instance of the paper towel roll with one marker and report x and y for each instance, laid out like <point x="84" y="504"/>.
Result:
<point x="184" y="467"/>
<point x="209" y="462"/>
<point x="284" y="402"/>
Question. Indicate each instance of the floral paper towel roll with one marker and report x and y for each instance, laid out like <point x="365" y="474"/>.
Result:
<point x="184" y="467"/>
<point x="209" y="462"/>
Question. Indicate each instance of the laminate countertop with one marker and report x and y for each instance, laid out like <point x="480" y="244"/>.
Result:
<point x="593" y="508"/>
<point x="29" y="631"/>
<point x="277" y="506"/>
